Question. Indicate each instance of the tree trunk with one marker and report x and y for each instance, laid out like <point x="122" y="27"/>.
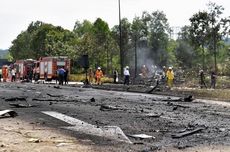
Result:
<point x="214" y="49"/>
<point x="135" y="57"/>
<point x="203" y="57"/>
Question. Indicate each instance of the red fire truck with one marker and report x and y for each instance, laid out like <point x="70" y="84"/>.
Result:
<point x="24" y="69"/>
<point x="46" y="67"/>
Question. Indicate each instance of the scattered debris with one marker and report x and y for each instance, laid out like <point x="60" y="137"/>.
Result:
<point x="34" y="140"/>
<point x="87" y="86"/>
<point x="151" y="149"/>
<point x="189" y="98"/>
<point x="175" y="108"/>
<point x="153" y="115"/>
<point x="54" y="95"/>
<point x="182" y="146"/>
<point x="108" y="108"/>
<point x="57" y="87"/>
<point x="11" y="113"/>
<point x="2" y="145"/>
<point x="142" y="136"/>
<point x="176" y="105"/>
<point x="56" y="100"/>
<point x="62" y="144"/>
<point x="16" y="99"/>
<point x="138" y="143"/>
<point x="20" y="105"/>
<point x="92" y="100"/>
<point x="186" y="133"/>
<point x="154" y="88"/>
<point x="142" y="110"/>
<point x="222" y="129"/>
<point x="110" y="132"/>
<point x="185" y="99"/>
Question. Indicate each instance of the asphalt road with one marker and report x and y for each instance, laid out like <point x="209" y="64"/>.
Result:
<point x="120" y="121"/>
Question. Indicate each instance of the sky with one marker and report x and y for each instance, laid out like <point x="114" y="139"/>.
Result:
<point x="16" y="15"/>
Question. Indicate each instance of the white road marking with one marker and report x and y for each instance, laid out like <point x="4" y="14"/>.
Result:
<point x="111" y="132"/>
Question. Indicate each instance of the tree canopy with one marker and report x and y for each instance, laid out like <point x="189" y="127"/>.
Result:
<point x="145" y="40"/>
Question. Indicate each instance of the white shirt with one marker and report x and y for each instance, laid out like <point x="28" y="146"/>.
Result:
<point x="13" y="72"/>
<point x="126" y="72"/>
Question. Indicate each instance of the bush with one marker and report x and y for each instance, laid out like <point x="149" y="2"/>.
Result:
<point x="81" y="78"/>
<point x="77" y="77"/>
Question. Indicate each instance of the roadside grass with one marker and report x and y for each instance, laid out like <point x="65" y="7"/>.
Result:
<point x="222" y="91"/>
<point x="212" y="94"/>
<point x="191" y="86"/>
<point x="81" y="78"/>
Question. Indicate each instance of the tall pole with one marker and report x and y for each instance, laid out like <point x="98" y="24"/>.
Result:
<point x="120" y="42"/>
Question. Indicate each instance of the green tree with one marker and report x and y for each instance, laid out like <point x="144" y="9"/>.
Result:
<point x="217" y="28"/>
<point x="158" y="29"/>
<point x="125" y="41"/>
<point x="101" y="33"/>
<point x="137" y="32"/>
<point x="41" y="39"/>
<point x="198" y="32"/>
<point x="185" y="54"/>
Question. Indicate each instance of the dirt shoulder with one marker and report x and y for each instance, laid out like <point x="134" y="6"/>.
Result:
<point x="21" y="136"/>
<point x="209" y="94"/>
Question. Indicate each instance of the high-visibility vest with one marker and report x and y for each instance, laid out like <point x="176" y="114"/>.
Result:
<point x="170" y="75"/>
<point x="98" y="74"/>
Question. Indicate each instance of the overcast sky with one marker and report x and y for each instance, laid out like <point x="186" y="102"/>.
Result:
<point x="16" y="15"/>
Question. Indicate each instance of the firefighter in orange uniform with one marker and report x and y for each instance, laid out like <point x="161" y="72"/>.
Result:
<point x="4" y="73"/>
<point x="98" y="75"/>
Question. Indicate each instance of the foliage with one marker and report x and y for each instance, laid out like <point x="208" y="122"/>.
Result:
<point x="157" y="29"/>
<point x="183" y="52"/>
<point x="207" y="30"/>
<point x="81" y="78"/>
<point x="144" y="39"/>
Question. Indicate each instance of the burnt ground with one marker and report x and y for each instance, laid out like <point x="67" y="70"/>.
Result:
<point x="162" y="117"/>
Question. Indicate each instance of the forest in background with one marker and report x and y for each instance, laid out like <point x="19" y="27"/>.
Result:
<point x="146" y="40"/>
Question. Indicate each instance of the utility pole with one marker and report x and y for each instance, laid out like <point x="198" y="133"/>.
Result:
<point x="120" y="42"/>
<point x="135" y="56"/>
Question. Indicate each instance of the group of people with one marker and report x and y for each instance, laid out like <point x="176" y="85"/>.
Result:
<point x="213" y="78"/>
<point x="62" y="75"/>
<point x="8" y="73"/>
<point x="167" y="76"/>
<point x="97" y="76"/>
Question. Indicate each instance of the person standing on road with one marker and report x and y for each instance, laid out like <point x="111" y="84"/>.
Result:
<point x="61" y="73"/>
<point x="66" y="73"/>
<point x="170" y="77"/>
<point x="202" y="81"/>
<point x="57" y="77"/>
<point x="213" y="80"/>
<point x="115" y="76"/>
<point x="144" y="71"/>
<point x="127" y="75"/>
<point x="13" y="75"/>
<point x="98" y="75"/>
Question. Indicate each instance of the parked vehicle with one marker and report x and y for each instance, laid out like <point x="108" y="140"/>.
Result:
<point x="46" y="67"/>
<point x="24" y="69"/>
